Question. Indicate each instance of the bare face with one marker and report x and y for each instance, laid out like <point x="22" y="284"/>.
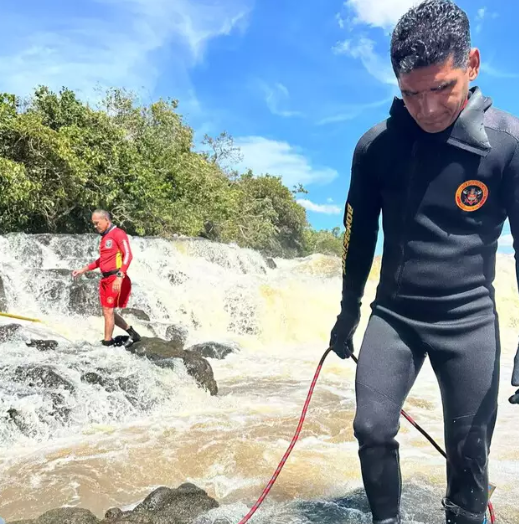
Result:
<point x="435" y="95"/>
<point x="101" y="223"/>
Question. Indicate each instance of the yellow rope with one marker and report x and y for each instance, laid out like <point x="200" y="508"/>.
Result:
<point x="9" y="315"/>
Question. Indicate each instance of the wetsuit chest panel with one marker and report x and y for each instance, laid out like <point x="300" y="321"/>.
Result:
<point x="443" y="217"/>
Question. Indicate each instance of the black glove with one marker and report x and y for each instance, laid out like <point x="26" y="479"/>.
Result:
<point x="514" y="399"/>
<point x="341" y="338"/>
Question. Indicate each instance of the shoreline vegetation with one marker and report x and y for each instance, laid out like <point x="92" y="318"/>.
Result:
<point x="60" y="158"/>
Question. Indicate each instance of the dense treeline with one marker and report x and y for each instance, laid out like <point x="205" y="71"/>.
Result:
<point x="60" y="158"/>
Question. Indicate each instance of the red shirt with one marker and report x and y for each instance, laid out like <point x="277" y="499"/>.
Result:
<point x="115" y="252"/>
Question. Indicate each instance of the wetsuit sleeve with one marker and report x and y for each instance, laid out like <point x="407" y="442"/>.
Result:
<point x="94" y="265"/>
<point x="361" y="217"/>
<point x="124" y="245"/>
<point x="511" y="195"/>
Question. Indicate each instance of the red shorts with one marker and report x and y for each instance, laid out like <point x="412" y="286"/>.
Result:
<point x="109" y="298"/>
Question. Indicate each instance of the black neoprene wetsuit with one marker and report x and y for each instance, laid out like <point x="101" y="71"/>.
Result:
<point x="444" y="198"/>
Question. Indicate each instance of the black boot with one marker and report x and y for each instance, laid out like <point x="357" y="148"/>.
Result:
<point x="456" y="515"/>
<point x="110" y="342"/>
<point x="133" y="334"/>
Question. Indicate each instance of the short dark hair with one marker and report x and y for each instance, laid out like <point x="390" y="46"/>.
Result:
<point x="430" y="34"/>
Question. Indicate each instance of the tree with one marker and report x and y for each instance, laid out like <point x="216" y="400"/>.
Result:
<point x="61" y="158"/>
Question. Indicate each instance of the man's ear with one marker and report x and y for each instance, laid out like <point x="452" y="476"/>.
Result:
<point x="474" y="64"/>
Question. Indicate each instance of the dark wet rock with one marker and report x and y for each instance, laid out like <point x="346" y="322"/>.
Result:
<point x="242" y="317"/>
<point x="270" y="263"/>
<point x="113" y="514"/>
<point x="157" y="349"/>
<point x="67" y="516"/>
<point x="213" y="350"/>
<point x="177" y="278"/>
<point x="177" y="335"/>
<point x="60" y="410"/>
<point x="166" y="363"/>
<point x="43" y="345"/>
<point x="43" y="238"/>
<point x="136" y="313"/>
<point x="91" y="378"/>
<point x="96" y="379"/>
<point x="179" y="506"/>
<point x="84" y="297"/>
<point x="55" y="273"/>
<point x="9" y="332"/>
<point x="3" y="296"/>
<point x="41" y="376"/>
<point x="17" y="419"/>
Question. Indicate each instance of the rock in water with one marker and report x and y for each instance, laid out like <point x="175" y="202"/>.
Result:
<point x="270" y="263"/>
<point x="197" y="366"/>
<point x="84" y="298"/>
<point x="138" y="314"/>
<point x="41" y="377"/>
<point x="43" y="345"/>
<point x="180" y="506"/>
<point x="213" y="350"/>
<point x="8" y="332"/>
<point x="177" y="335"/>
<point x="67" y="516"/>
<point x="3" y="296"/>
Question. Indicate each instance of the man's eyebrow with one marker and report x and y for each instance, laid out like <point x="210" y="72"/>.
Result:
<point x="440" y="87"/>
<point x="444" y="85"/>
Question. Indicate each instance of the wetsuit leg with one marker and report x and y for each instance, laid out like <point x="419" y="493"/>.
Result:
<point x="389" y="361"/>
<point x="465" y="356"/>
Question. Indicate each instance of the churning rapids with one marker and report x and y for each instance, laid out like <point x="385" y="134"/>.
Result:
<point x="75" y="443"/>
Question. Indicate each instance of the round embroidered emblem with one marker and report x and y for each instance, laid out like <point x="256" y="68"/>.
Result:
<point x="471" y="195"/>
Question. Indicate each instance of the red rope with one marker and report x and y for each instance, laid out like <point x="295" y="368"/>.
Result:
<point x="298" y="431"/>
<point x="292" y="444"/>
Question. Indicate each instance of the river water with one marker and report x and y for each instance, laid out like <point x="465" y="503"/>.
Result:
<point x="81" y="445"/>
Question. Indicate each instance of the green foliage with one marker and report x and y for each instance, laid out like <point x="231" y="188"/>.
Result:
<point x="61" y="158"/>
<point x="325" y="242"/>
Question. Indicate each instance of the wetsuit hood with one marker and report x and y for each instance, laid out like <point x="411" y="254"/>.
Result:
<point x="466" y="132"/>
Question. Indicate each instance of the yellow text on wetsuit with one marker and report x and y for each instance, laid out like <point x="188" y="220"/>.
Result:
<point x="347" y="235"/>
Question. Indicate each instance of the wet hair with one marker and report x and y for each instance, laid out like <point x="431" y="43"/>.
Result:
<point x="103" y="213"/>
<point x="429" y="34"/>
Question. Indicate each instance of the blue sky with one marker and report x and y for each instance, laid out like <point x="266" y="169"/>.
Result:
<point x="296" y="83"/>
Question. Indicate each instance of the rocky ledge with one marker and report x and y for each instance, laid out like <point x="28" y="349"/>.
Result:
<point x="182" y="505"/>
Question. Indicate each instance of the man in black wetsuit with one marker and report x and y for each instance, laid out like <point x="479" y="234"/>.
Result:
<point x="444" y="171"/>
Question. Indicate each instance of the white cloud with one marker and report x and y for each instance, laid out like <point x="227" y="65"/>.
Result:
<point x="281" y="159"/>
<point x="379" y="13"/>
<point x="347" y="113"/>
<point x="495" y="72"/>
<point x="277" y="96"/>
<point x="364" y="49"/>
<point x="116" y="48"/>
<point x="329" y="200"/>
<point x="482" y="15"/>
<point x="325" y="209"/>
<point x="506" y="240"/>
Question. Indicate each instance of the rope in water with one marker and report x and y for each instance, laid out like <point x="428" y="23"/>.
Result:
<point x="271" y="482"/>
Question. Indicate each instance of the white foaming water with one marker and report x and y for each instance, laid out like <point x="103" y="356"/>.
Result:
<point x="66" y="441"/>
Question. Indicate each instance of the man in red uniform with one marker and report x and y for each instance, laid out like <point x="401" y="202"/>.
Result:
<point x="115" y="286"/>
